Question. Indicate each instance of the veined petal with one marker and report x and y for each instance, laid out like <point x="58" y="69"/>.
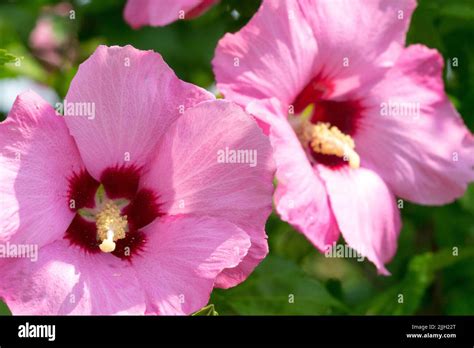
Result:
<point x="272" y="56"/>
<point x="215" y="161"/>
<point x="366" y="212"/>
<point x="300" y="197"/>
<point x="37" y="157"/>
<point x="412" y="135"/>
<point x="183" y="258"/>
<point x="135" y="97"/>
<point x="65" y="280"/>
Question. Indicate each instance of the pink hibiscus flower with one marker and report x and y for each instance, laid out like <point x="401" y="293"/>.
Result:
<point x="130" y="208"/>
<point x="355" y="118"/>
<point x="158" y="13"/>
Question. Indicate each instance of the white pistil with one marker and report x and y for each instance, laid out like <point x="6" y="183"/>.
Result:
<point x="108" y="244"/>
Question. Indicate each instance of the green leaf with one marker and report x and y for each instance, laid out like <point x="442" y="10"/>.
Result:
<point x="6" y="57"/>
<point x="461" y="10"/>
<point x="467" y="201"/>
<point x="24" y="65"/>
<point x="405" y="297"/>
<point x="278" y="287"/>
<point x="458" y="287"/>
<point x="208" y="311"/>
<point x="4" y="310"/>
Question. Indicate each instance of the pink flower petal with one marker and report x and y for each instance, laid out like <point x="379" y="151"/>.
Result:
<point x="288" y="43"/>
<point x="65" y="280"/>
<point x="272" y="56"/>
<point x="300" y="197"/>
<point x="365" y="211"/>
<point x="370" y="34"/>
<point x="42" y="37"/>
<point x="264" y="111"/>
<point x="158" y="13"/>
<point x="427" y="156"/>
<point x="201" y="8"/>
<point x="183" y="259"/>
<point x="136" y="97"/>
<point x="189" y="178"/>
<point x="37" y="155"/>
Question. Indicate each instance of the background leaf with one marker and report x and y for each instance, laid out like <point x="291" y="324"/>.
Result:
<point x="278" y="287"/>
<point x="405" y="298"/>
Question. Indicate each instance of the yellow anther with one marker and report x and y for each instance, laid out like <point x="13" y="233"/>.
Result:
<point x="329" y="140"/>
<point x="111" y="226"/>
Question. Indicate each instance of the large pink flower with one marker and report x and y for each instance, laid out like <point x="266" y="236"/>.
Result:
<point x="158" y="13"/>
<point x="355" y="118"/>
<point x="129" y="205"/>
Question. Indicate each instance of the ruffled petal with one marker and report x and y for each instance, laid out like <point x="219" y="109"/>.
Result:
<point x="289" y="43"/>
<point x="184" y="256"/>
<point x="159" y="13"/>
<point x="366" y="212"/>
<point x="412" y="136"/>
<point x="65" y="280"/>
<point x="367" y="33"/>
<point x="215" y="161"/>
<point x="37" y="158"/>
<point x="272" y="56"/>
<point x="134" y="97"/>
<point x="300" y="197"/>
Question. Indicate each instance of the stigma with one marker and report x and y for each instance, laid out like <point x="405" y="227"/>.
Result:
<point x="111" y="226"/>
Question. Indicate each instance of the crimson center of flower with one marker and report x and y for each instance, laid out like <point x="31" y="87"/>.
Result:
<point x="110" y="213"/>
<point x="326" y="127"/>
<point x="107" y="215"/>
<point x="324" y="139"/>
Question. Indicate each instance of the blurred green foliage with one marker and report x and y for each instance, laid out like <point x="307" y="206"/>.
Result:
<point x="278" y="286"/>
<point x="295" y="278"/>
<point x="6" y="57"/>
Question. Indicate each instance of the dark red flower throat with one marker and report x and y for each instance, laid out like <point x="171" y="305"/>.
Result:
<point x="329" y="124"/>
<point x="115" y="204"/>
